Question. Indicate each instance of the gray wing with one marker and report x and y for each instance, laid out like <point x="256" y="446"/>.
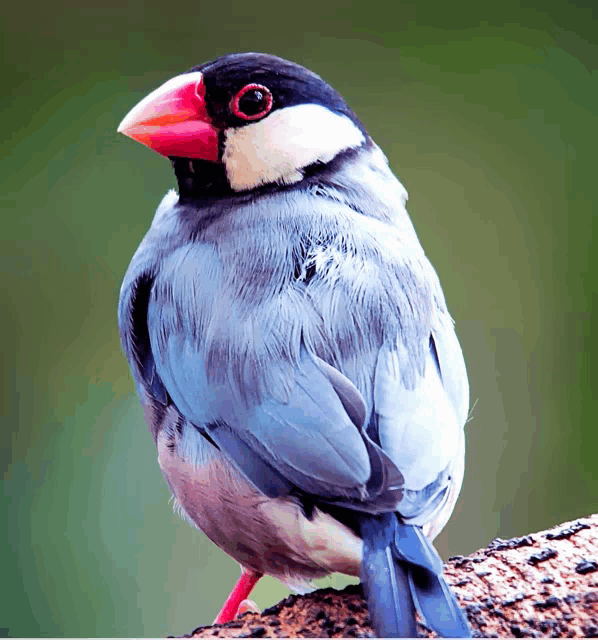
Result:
<point x="313" y="440"/>
<point x="420" y="422"/>
<point x="310" y="440"/>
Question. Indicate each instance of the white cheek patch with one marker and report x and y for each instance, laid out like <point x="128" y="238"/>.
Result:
<point x="276" y="148"/>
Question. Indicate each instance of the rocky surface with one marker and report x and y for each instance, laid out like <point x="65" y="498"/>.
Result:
<point x="539" y="585"/>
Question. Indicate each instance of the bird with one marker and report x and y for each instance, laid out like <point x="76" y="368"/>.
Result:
<point x="291" y="345"/>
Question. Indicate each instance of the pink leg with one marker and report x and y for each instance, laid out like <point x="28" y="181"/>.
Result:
<point x="240" y="592"/>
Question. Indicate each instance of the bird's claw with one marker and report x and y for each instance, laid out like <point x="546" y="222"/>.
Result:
<point x="247" y="606"/>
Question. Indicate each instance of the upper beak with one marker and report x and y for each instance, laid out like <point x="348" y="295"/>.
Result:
<point x="173" y="120"/>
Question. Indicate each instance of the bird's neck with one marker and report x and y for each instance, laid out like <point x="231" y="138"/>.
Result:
<point x="200" y="179"/>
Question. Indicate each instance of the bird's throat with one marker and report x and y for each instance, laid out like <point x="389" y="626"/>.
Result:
<point x="199" y="179"/>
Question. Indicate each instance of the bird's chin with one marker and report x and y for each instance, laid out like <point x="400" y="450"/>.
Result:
<point x="188" y="139"/>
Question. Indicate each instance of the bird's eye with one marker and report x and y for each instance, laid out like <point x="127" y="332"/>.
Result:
<point x="252" y="102"/>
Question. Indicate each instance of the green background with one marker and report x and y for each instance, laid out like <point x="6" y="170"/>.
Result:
<point x="487" y="112"/>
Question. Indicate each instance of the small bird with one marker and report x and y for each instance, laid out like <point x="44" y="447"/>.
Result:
<point x="291" y="344"/>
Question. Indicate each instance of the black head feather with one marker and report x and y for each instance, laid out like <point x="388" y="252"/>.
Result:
<point x="290" y="84"/>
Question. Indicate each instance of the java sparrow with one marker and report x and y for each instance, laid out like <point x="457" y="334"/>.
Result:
<point x="291" y="344"/>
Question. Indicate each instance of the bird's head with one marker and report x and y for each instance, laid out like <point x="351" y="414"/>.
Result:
<point x="259" y="118"/>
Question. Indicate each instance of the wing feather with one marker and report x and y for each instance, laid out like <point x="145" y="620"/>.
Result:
<point x="420" y="424"/>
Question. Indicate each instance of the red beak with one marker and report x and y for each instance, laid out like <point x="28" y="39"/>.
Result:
<point x="173" y="120"/>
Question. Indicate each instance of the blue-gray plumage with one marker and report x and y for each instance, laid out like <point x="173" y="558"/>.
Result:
<point x="291" y="344"/>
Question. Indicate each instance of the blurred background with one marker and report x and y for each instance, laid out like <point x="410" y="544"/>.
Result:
<point x="488" y="114"/>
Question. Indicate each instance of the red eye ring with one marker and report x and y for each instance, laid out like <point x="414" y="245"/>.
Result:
<point x="264" y="106"/>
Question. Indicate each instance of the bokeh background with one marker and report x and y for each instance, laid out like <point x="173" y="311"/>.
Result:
<point x="488" y="113"/>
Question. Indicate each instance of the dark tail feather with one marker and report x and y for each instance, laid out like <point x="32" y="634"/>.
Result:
<point x="433" y="598"/>
<point x="402" y="572"/>
<point x="385" y="581"/>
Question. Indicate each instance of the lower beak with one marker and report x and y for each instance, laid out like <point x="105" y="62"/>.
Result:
<point x="173" y="120"/>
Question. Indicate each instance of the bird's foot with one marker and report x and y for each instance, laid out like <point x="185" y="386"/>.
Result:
<point x="237" y="602"/>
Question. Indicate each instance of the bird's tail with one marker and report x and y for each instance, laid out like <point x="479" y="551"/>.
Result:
<point x="401" y="573"/>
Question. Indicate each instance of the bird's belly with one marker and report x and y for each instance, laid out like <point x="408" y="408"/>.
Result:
<point x="269" y="535"/>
